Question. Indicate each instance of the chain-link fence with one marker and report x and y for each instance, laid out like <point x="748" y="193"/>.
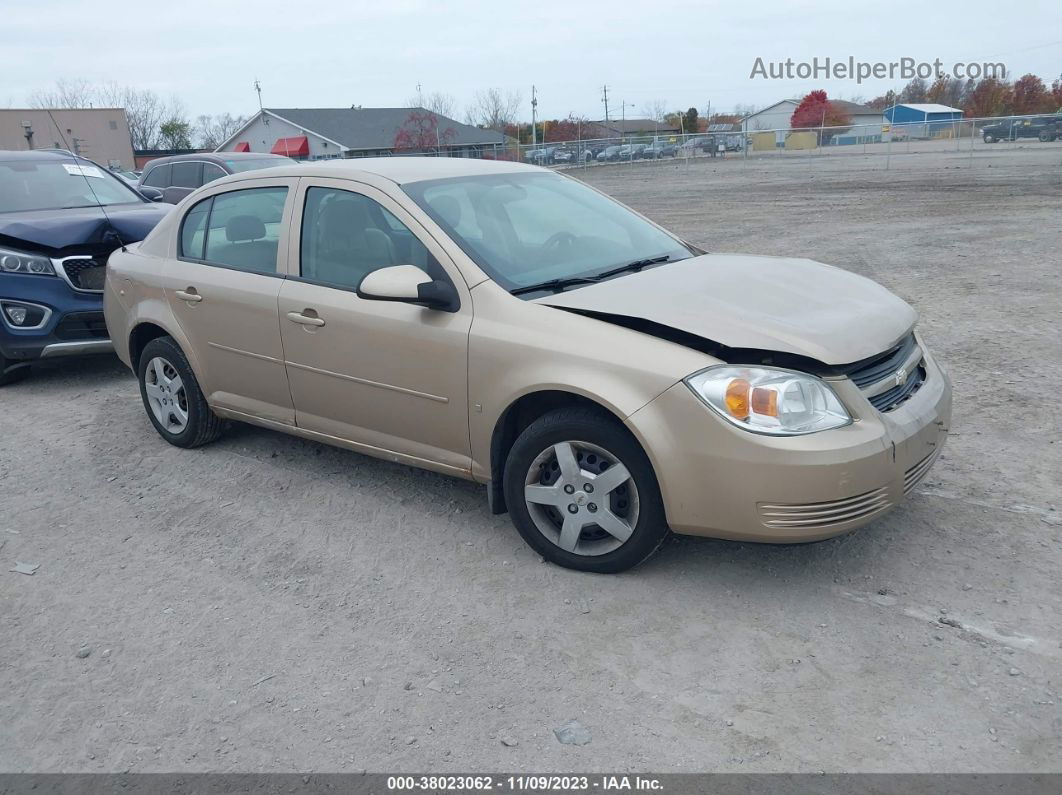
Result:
<point x="964" y="141"/>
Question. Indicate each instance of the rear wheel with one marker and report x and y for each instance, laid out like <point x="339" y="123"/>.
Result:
<point x="583" y="494"/>
<point x="172" y="397"/>
<point x="1046" y="137"/>
<point x="10" y="371"/>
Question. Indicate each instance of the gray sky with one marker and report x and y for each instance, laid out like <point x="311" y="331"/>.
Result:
<point x="374" y="53"/>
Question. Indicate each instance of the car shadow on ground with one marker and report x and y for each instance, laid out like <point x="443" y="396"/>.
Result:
<point x="100" y="370"/>
<point x="867" y="547"/>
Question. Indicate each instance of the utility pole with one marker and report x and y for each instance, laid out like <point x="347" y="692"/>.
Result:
<point x="604" y="98"/>
<point x="28" y="134"/>
<point x="534" y="117"/>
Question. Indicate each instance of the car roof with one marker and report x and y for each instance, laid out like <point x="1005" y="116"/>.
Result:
<point x="41" y="155"/>
<point x="214" y="157"/>
<point x="403" y="170"/>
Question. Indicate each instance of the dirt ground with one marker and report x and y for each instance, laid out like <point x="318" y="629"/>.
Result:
<point x="267" y="603"/>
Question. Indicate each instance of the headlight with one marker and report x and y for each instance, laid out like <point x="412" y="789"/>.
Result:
<point x="770" y="401"/>
<point x="19" y="262"/>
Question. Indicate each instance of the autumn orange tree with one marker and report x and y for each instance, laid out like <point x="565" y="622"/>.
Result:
<point x="420" y="131"/>
<point x="815" y="111"/>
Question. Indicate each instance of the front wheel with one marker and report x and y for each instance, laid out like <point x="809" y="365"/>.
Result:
<point x="989" y="139"/>
<point x="171" y="394"/>
<point x="583" y="494"/>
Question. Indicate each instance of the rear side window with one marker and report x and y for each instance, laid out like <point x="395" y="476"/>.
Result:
<point x="158" y="177"/>
<point x="243" y="229"/>
<point x="212" y="172"/>
<point x="186" y="175"/>
<point x="193" y="230"/>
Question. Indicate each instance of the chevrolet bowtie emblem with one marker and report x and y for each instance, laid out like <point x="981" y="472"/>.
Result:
<point x="901" y="377"/>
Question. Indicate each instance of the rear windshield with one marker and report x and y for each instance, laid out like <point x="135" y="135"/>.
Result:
<point x="57" y="184"/>
<point x="236" y="166"/>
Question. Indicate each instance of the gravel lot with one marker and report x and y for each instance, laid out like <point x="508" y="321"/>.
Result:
<point x="267" y="603"/>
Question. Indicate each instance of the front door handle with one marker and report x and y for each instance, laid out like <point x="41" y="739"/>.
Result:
<point x="190" y="295"/>
<point x="304" y="319"/>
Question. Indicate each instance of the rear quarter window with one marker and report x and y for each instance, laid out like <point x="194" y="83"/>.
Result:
<point x="158" y="177"/>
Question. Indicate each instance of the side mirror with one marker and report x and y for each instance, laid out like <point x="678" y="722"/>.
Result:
<point x="149" y="193"/>
<point x="408" y="284"/>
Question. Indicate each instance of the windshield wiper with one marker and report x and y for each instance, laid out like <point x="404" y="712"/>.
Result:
<point x="555" y="284"/>
<point x="637" y="265"/>
<point x="559" y="284"/>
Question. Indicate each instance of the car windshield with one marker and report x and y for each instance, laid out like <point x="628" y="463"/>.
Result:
<point x="253" y="164"/>
<point x="58" y="184"/>
<point x="527" y="228"/>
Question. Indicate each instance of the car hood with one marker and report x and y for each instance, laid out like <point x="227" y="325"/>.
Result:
<point x="55" y="231"/>
<point x="794" y="306"/>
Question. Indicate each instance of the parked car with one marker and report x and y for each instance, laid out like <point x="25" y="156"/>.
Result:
<point x="510" y="325"/>
<point x="659" y="149"/>
<point x="128" y="176"/>
<point x="170" y="179"/>
<point x="608" y="153"/>
<point x="1043" y="128"/>
<point x="54" y="242"/>
<point x="630" y="151"/>
<point x="563" y="155"/>
<point x="542" y="156"/>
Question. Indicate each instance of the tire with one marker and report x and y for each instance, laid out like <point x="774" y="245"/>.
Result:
<point x="1046" y="137"/>
<point x="11" y="372"/>
<point x="597" y="443"/>
<point x="166" y="378"/>
<point x="989" y="139"/>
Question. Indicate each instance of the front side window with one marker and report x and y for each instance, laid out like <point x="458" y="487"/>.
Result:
<point x="239" y="230"/>
<point x="527" y="228"/>
<point x="346" y="236"/>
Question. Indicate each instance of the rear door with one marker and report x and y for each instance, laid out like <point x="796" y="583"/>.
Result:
<point x="223" y="289"/>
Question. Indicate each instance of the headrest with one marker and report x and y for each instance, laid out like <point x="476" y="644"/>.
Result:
<point x="244" y="227"/>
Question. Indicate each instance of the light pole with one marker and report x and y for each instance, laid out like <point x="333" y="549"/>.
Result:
<point x="534" y="117"/>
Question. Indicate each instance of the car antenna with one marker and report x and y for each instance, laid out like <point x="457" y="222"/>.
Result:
<point x="84" y="176"/>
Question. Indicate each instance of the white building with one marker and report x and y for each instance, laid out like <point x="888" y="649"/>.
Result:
<point x="325" y="133"/>
<point x="866" y="122"/>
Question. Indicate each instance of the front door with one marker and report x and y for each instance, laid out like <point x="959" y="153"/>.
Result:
<point x="391" y="377"/>
<point x="223" y="290"/>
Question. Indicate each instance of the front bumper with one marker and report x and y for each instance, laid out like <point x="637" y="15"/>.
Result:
<point x="721" y="481"/>
<point x="75" y="326"/>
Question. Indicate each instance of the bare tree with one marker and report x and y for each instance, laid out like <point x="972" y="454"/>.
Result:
<point x="212" y="131"/>
<point x="493" y="110"/>
<point x="744" y="110"/>
<point x="437" y="102"/>
<point x="655" y="110"/>
<point x="145" y="111"/>
<point x="79" y="93"/>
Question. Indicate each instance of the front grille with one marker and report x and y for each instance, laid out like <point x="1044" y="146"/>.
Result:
<point x="891" y="398"/>
<point x="877" y="368"/>
<point x="85" y="274"/>
<point x="913" y="476"/>
<point x="812" y="515"/>
<point x="82" y="326"/>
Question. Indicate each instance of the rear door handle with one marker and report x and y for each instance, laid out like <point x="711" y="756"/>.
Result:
<point x="305" y="320"/>
<point x="189" y="295"/>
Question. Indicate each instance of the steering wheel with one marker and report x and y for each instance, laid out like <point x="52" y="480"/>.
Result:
<point x="559" y="240"/>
